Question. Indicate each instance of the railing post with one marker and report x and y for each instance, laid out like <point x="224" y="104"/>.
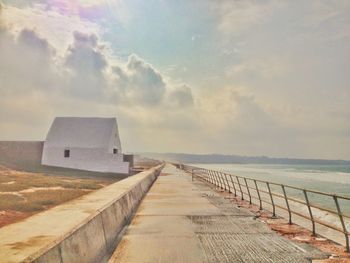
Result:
<point x="216" y="178"/>
<point x="228" y="184"/>
<point x="246" y="185"/>
<point x="272" y="202"/>
<point x="220" y="179"/>
<point x="257" y="190"/>
<point x="233" y="184"/>
<point x="240" y="188"/>
<point x="223" y="185"/>
<point x="310" y="212"/>
<point x="287" y="204"/>
<point x="223" y="180"/>
<point x="207" y="176"/>
<point x="192" y="173"/>
<point x="211" y="177"/>
<point x="199" y="174"/>
<point x="342" y="223"/>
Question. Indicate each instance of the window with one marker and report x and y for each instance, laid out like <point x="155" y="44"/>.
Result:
<point x="115" y="151"/>
<point x="66" y="153"/>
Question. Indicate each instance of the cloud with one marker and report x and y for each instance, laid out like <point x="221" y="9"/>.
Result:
<point x="55" y="26"/>
<point x="84" y="70"/>
<point x="30" y="39"/>
<point x="84" y="55"/>
<point x="268" y="68"/>
<point x="86" y="61"/>
<point x="83" y="79"/>
<point x="234" y="120"/>
<point x="139" y="82"/>
<point x="26" y="62"/>
<point x="322" y="16"/>
<point x="231" y="107"/>
<point x="238" y="17"/>
<point x="180" y="97"/>
<point x="92" y="10"/>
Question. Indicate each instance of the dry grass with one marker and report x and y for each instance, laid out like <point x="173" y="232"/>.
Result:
<point x="25" y="180"/>
<point x="39" y="200"/>
<point x="25" y="193"/>
<point x="48" y="198"/>
<point x="9" y="201"/>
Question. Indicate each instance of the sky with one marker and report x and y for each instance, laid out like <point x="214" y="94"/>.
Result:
<point x="229" y="76"/>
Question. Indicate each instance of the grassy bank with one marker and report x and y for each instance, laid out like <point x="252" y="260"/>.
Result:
<point x="23" y="194"/>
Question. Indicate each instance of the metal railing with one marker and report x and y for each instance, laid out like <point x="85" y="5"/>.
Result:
<point x="276" y="195"/>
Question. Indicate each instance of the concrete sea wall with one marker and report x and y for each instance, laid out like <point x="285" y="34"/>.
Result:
<point x="21" y="152"/>
<point x="83" y="230"/>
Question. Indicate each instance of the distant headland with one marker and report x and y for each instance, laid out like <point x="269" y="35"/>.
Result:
<point x="221" y="158"/>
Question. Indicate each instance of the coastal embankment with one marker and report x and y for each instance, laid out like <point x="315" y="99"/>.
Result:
<point x="83" y="230"/>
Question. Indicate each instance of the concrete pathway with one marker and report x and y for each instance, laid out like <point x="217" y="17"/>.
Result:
<point x="184" y="221"/>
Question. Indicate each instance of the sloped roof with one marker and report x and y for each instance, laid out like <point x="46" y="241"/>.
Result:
<point x="82" y="132"/>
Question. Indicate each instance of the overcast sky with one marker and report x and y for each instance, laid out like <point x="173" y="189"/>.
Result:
<point x="233" y="77"/>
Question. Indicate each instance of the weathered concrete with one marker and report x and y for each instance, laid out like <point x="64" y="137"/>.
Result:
<point x="83" y="230"/>
<point x="184" y="221"/>
<point x="27" y="152"/>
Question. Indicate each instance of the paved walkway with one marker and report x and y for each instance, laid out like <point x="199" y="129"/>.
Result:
<point x="184" y="221"/>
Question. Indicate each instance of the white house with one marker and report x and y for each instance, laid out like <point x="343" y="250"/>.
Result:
<point x="90" y="144"/>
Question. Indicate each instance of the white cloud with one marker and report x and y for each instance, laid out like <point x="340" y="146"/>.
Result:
<point x="26" y="62"/>
<point x="139" y="82"/>
<point x="323" y="16"/>
<point x="238" y="17"/>
<point x="92" y="10"/>
<point x="269" y="67"/>
<point x="81" y="78"/>
<point x="56" y="27"/>
<point x="87" y="62"/>
<point x="180" y="97"/>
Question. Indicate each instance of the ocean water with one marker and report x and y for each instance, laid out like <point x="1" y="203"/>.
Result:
<point x="326" y="178"/>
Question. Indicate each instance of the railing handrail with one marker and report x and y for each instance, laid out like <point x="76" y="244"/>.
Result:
<point x="345" y="197"/>
<point x="218" y="178"/>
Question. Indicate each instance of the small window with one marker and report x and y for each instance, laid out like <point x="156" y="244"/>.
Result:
<point x="66" y="153"/>
<point x="115" y="151"/>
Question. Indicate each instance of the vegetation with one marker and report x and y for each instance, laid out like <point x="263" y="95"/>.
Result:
<point x="9" y="201"/>
<point x="25" y="193"/>
<point x="11" y="181"/>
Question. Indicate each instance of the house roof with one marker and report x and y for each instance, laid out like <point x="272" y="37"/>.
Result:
<point x="83" y="132"/>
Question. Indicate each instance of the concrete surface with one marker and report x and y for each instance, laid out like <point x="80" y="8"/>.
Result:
<point x="184" y="221"/>
<point x="82" y="230"/>
<point x="21" y="151"/>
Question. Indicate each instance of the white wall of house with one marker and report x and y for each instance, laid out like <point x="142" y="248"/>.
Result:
<point x="98" y="160"/>
<point x="90" y="142"/>
<point x="114" y="141"/>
